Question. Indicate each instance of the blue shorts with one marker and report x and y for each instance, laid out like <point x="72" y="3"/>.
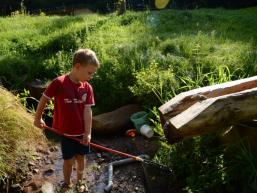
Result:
<point x="70" y="148"/>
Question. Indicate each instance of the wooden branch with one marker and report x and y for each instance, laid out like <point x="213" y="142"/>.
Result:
<point x="185" y="100"/>
<point x="213" y="114"/>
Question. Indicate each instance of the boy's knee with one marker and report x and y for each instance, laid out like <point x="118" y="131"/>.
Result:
<point x="79" y="157"/>
<point x="80" y="161"/>
<point x="69" y="162"/>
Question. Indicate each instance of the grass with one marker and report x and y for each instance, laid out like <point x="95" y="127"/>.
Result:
<point x="150" y="56"/>
<point x="19" y="138"/>
<point x="180" y="42"/>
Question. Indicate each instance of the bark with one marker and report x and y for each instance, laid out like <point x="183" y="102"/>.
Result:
<point x="213" y="114"/>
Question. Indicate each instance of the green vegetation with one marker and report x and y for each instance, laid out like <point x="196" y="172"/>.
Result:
<point x="150" y="56"/>
<point x="202" y="164"/>
<point x="19" y="137"/>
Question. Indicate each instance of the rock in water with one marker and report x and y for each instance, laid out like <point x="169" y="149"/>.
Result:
<point x="47" y="188"/>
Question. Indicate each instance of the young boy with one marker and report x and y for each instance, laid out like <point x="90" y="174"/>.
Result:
<point x="73" y="98"/>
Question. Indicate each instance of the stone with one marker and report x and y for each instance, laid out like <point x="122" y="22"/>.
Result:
<point x="16" y="187"/>
<point x="28" y="189"/>
<point x="47" y="187"/>
<point x="49" y="172"/>
<point x="42" y="150"/>
<point x="53" y="149"/>
<point x="35" y="171"/>
<point x="31" y="164"/>
<point x="33" y="186"/>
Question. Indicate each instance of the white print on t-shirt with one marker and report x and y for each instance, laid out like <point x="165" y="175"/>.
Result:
<point x="84" y="97"/>
<point x="68" y="101"/>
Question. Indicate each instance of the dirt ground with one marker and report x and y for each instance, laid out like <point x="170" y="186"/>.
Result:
<point x="46" y="167"/>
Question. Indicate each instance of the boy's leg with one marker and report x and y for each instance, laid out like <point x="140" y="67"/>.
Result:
<point x="80" y="166"/>
<point x="67" y="169"/>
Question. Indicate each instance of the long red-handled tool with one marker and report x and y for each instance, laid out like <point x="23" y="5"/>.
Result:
<point x="96" y="145"/>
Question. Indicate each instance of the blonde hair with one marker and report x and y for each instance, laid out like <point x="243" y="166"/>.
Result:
<point x="85" y="57"/>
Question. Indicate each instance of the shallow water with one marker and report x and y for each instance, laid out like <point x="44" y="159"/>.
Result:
<point x="51" y="174"/>
<point x="127" y="178"/>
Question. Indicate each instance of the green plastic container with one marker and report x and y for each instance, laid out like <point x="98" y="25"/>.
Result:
<point x="139" y="119"/>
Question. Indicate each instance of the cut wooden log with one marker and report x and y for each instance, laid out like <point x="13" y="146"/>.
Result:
<point x="234" y="133"/>
<point x="114" y="121"/>
<point x="186" y="99"/>
<point x="212" y="114"/>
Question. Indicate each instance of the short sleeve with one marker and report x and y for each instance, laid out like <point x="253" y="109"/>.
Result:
<point x="90" y="101"/>
<point x="51" y="90"/>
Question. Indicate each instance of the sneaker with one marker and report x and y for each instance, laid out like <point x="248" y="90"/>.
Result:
<point x="81" y="187"/>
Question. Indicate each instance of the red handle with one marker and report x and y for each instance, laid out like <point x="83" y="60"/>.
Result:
<point x="115" y="151"/>
<point x="96" y="145"/>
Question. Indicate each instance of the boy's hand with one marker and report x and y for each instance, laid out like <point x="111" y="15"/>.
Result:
<point x="86" y="139"/>
<point x="39" y="123"/>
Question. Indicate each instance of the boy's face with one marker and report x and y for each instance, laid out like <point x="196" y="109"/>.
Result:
<point x="85" y="73"/>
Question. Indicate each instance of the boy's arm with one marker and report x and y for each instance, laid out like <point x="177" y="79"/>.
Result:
<point x="88" y="123"/>
<point x="38" y="121"/>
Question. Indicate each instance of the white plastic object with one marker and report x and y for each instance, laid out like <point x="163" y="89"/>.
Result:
<point x="147" y="131"/>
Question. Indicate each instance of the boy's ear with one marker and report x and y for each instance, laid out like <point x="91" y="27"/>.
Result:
<point x="77" y="65"/>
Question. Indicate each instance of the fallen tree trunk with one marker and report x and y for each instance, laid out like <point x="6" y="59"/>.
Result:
<point x="212" y="114"/>
<point x="185" y="100"/>
<point x="114" y="121"/>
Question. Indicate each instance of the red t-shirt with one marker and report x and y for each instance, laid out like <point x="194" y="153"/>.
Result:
<point x="69" y="102"/>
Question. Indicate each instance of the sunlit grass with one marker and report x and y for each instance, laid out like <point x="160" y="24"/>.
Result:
<point x="19" y="138"/>
<point x="180" y="42"/>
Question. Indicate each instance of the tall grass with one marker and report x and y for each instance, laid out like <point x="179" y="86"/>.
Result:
<point x="19" y="138"/>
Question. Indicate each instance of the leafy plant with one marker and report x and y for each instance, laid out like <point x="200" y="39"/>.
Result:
<point x="22" y="97"/>
<point x="243" y="166"/>
<point x="154" y="84"/>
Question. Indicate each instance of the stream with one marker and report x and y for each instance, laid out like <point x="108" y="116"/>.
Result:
<point x="46" y="167"/>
